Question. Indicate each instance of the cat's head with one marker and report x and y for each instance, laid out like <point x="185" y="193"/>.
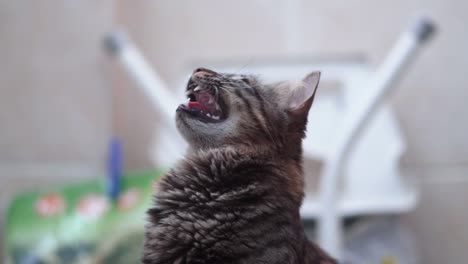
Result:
<point x="232" y="109"/>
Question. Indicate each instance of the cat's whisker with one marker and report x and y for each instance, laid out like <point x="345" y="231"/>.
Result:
<point x="244" y="66"/>
<point x="225" y="89"/>
<point x="241" y="87"/>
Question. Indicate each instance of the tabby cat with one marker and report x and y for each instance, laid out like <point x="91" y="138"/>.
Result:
<point x="235" y="197"/>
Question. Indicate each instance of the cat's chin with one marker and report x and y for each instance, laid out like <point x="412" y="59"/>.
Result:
<point x="202" y="133"/>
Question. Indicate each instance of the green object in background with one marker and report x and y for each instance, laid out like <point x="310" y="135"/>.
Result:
<point x="79" y="224"/>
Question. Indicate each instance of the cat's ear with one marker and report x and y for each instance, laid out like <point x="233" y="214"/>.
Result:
<point x="302" y="95"/>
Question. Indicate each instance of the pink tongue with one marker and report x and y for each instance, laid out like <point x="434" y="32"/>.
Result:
<point x="201" y="107"/>
<point x="195" y="105"/>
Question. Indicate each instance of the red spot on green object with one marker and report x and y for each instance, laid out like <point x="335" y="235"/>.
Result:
<point x="92" y="206"/>
<point x="48" y="205"/>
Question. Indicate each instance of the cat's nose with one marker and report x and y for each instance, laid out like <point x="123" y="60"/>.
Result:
<point x="203" y="72"/>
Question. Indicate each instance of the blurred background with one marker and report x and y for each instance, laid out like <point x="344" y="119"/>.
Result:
<point x="62" y="97"/>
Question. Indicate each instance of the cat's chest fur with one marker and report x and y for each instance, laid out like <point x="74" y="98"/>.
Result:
<point x="223" y="206"/>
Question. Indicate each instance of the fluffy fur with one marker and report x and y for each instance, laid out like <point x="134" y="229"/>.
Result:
<point x="235" y="197"/>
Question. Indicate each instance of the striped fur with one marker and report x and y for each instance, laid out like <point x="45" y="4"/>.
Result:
<point x="235" y="197"/>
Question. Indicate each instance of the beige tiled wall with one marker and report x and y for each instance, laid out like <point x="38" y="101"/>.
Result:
<point x="56" y="98"/>
<point x="55" y="92"/>
<point x="439" y="222"/>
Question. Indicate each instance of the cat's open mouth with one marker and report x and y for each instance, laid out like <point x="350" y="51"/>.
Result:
<point x="203" y="103"/>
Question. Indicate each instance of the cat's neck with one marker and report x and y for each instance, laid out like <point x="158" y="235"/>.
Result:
<point x="288" y="168"/>
<point x="265" y="151"/>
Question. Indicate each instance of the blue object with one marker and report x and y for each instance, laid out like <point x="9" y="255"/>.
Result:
<point x="114" y="168"/>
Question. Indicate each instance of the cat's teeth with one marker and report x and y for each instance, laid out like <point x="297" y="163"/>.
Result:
<point x="216" y="117"/>
<point x="197" y="89"/>
<point x="208" y="114"/>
